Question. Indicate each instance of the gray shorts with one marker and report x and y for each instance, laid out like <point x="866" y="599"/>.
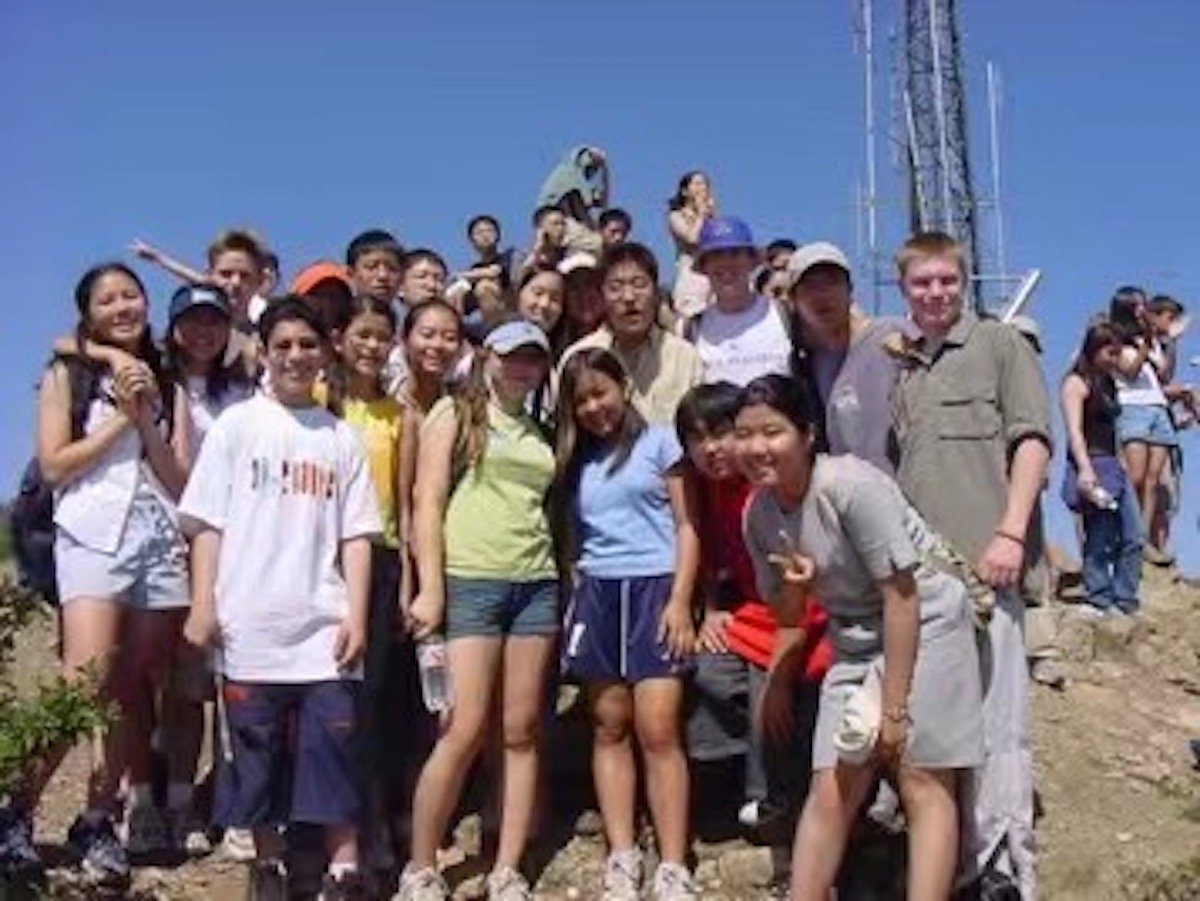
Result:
<point x="148" y="570"/>
<point x="492" y="608"/>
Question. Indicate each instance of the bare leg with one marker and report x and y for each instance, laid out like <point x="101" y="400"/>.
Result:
<point x="474" y="663"/>
<point x="929" y="803"/>
<point x="612" y="761"/>
<point x="657" y="704"/>
<point x="526" y="659"/>
<point x="834" y="797"/>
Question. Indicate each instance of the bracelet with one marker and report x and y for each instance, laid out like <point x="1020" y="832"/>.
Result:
<point x="1011" y="536"/>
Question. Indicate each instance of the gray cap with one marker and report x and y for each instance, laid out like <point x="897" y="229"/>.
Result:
<point x="819" y="253"/>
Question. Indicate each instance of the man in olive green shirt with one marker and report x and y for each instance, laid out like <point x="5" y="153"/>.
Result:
<point x="972" y="426"/>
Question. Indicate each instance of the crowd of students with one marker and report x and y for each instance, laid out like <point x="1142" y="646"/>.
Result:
<point x="743" y="517"/>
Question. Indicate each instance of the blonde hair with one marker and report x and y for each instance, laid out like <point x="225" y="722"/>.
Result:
<point x="923" y="245"/>
<point x="471" y="410"/>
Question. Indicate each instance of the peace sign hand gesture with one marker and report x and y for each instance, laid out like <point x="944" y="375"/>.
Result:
<point x="796" y="570"/>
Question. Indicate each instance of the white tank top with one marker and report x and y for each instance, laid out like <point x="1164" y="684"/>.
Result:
<point x="1143" y="391"/>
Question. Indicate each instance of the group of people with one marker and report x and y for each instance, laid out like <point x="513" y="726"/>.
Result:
<point x="737" y="494"/>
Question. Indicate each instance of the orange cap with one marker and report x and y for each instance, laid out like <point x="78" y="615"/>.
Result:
<point x="315" y="273"/>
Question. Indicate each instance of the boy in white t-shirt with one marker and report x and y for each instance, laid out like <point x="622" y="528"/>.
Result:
<point x="280" y="510"/>
<point x="742" y="335"/>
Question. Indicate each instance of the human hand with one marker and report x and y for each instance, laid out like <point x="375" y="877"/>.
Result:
<point x="425" y="615"/>
<point x="350" y="643"/>
<point x="1000" y="565"/>
<point x="144" y="251"/>
<point x="796" y="570"/>
<point x="892" y="741"/>
<point x="675" y="629"/>
<point x="200" y="629"/>
<point x="712" y="631"/>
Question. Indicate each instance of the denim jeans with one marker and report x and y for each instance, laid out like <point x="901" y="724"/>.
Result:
<point x="1112" y="553"/>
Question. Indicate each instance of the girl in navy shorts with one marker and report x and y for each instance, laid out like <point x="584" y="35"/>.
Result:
<point x="625" y="509"/>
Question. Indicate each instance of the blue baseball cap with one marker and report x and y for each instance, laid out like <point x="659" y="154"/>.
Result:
<point x="506" y="338"/>
<point x="189" y="297"/>
<point x="724" y="233"/>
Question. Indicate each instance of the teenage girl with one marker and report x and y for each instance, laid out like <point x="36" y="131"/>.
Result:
<point x="120" y="562"/>
<point x="198" y="332"/>
<point x="625" y="503"/>
<point x="486" y="570"/>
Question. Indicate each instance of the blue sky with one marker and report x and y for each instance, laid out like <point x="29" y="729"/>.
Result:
<point x="312" y="120"/>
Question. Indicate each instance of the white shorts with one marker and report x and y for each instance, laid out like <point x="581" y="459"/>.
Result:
<point x="149" y="570"/>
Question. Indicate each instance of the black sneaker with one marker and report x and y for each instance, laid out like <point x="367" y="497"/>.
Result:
<point x="101" y="855"/>
<point x="19" y="858"/>
<point x="352" y="886"/>
<point x="268" y="881"/>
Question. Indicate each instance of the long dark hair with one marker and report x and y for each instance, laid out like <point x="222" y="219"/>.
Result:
<point x="336" y="377"/>
<point x="1100" y="334"/>
<point x="147" y="351"/>
<point x="220" y="377"/>
<point x="574" y="446"/>
<point x="1123" y="311"/>
<point x="679" y="199"/>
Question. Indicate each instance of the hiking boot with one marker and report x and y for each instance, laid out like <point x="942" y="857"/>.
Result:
<point x="146" y="830"/>
<point x="268" y="881"/>
<point x="351" y="886"/>
<point x="623" y="876"/>
<point x="505" y="884"/>
<point x="673" y="882"/>
<point x="101" y="856"/>
<point x="19" y="857"/>
<point x="425" y="884"/>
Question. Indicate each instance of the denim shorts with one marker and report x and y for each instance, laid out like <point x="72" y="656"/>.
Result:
<point x="1147" y="424"/>
<point x="491" y="608"/>
<point x="293" y="755"/>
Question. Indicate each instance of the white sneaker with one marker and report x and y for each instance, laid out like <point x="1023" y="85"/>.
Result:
<point x="748" y="813"/>
<point x="505" y="884"/>
<point x="189" y="834"/>
<point x="425" y="884"/>
<point x="673" y="882"/>
<point x="623" y="876"/>
<point x="238" y="844"/>
<point x="145" y="830"/>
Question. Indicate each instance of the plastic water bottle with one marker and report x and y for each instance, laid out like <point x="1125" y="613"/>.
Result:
<point x="1100" y="498"/>
<point x="435" y="678"/>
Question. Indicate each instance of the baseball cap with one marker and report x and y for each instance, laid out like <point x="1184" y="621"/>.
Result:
<point x="506" y="338"/>
<point x="579" y="260"/>
<point x="312" y="275"/>
<point x="724" y="233"/>
<point x="819" y="253"/>
<point x="189" y="297"/>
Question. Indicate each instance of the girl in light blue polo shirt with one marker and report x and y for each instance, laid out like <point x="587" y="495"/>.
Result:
<point x="631" y="542"/>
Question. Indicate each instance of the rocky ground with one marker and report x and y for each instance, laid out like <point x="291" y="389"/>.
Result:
<point x="1120" y="798"/>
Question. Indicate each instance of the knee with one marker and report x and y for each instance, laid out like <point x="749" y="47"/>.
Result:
<point x="658" y="738"/>
<point x="521" y="733"/>
<point x="610" y="732"/>
<point x="463" y="738"/>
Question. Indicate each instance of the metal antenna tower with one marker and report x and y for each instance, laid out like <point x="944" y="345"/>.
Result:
<point x="941" y="193"/>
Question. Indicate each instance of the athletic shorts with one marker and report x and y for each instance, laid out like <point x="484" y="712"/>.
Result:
<point x="491" y="608"/>
<point x="611" y="631"/>
<point x="293" y="755"/>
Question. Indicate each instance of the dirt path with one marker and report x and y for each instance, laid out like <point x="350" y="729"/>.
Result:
<point x="1121" y="804"/>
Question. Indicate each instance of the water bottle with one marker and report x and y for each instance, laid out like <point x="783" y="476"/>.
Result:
<point x="435" y="677"/>
<point x="1100" y="498"/>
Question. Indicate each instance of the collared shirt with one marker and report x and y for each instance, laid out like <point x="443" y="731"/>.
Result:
<point x="960" y="410"/>
<point x="663" y="369"/>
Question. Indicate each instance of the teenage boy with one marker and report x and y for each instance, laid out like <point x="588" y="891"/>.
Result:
<point x="779" y="252"/>
<point x="973" y="433"/>
<point x="549" y="239"/>
<point x="483" y="231"/>
<point x="423" y="275"/>
<point x="374" y="260"/>
<point x="615" y="226"/>
<point x="741" y="335"/>
<point x="280" y="510"/>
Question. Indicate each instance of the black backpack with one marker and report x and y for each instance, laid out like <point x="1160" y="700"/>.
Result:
<point x="32" y="516"/>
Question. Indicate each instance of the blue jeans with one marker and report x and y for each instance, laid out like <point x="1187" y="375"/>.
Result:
<point x="1112" y="553"/>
